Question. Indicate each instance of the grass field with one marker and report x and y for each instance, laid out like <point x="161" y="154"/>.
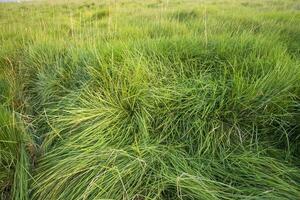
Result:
<point x="158" y="99"/>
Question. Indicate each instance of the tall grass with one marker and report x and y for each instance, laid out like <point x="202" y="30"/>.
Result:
<point x="14" y="161"/>
<point x="150" y="100"/>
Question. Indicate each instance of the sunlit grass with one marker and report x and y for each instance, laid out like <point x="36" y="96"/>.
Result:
<point x="150" y="100"/>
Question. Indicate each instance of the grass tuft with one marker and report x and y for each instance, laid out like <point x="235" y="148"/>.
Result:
<point x="157" y="100"/>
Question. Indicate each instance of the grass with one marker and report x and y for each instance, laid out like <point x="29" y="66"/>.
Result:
<point x="150" y="100"/>
<point x="14" y="161"/>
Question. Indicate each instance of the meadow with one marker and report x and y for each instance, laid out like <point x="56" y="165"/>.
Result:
<point x="150" y="100"/>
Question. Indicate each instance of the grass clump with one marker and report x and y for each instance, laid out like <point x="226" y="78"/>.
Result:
<point x="160" y="100"/>
<point x="14" y="159"/>
<point x="100" y="14"/>
<point x="184" y="16"/>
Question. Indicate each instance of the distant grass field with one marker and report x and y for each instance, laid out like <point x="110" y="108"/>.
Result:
<point x="158" y="99"/>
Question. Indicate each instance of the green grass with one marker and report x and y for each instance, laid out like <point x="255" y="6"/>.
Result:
<point x="150" y="100"/>
<point x="14" y="162"/>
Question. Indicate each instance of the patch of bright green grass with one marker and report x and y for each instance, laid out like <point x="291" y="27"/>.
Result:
<point x="150" y="100"/>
